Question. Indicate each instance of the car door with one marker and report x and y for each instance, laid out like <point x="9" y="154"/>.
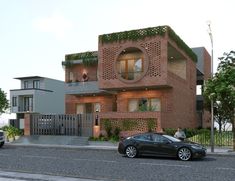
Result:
<point x="144" y="143"/>
<point x="162" y="146"/>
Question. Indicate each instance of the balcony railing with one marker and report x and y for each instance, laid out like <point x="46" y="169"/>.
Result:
<point x="25" y="109"/>
<point x="90" y="87"/>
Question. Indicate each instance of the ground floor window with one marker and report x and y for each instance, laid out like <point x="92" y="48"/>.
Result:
<point x="88" y="108"/>
<point x="144" y="104"/>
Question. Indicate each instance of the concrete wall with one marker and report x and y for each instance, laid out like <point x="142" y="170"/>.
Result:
<point x="51" y="102"/>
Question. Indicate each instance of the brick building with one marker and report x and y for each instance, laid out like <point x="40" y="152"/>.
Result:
<point x="136" y="76"/>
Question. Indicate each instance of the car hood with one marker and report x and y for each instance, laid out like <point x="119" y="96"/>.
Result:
<point x="189" y="143"/>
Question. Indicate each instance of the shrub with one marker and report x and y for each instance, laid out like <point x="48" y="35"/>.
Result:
<point x="116" y="131"/>
<point x="151" y="123"/>
<point x="169" y="131"/>
<point x="108" y="127"/>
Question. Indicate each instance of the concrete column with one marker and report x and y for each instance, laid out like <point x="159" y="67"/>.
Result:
<point x="26" y="124"/>
<point x="96" y="131"/>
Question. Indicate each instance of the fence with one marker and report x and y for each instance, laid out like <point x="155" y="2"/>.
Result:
<point x="72" y="125"/>
<point x="220" y="139"/>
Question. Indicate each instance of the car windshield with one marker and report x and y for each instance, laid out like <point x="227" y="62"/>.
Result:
<point x="172" y="138"/>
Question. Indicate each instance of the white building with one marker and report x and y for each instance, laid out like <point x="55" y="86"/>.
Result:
<point x="37" y="95"/>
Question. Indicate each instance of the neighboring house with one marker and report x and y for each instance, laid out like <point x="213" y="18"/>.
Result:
<point x="37" y="95"/>
<point x="136" y="75"/>
<point x="203" y="73"/>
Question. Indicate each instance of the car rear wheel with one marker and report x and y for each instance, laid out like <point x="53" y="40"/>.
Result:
<point x="184" y="154"/>
<point x="131" y="151"/>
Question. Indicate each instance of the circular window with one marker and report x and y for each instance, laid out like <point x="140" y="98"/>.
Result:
<point x="131" y="64"/>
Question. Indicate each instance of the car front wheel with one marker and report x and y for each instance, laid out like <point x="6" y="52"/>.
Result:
<point x="184" y="154"/>
<point x="131" y="151"/>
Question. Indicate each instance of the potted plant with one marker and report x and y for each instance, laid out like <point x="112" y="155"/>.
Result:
<point x="18" y="133"/>
<point x="10" y="133"/>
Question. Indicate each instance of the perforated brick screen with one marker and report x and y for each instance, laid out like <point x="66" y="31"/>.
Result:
<point x="154" y="52"/>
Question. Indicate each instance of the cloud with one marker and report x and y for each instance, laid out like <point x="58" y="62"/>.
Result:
<point x="55" y="24"/>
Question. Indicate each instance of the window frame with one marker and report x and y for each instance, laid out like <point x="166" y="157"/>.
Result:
<point x="26" y="84"/>
<point x="36" y="84"/>
<point x="149" y="104"/>
<point x="14" y="101"/>
<point x="140" y="52"/>
<point x="125" y="74"/>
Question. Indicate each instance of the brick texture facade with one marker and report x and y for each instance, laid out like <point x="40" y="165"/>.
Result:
<point x="169" y="75"/>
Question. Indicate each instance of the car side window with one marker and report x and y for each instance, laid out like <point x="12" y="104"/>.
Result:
<point x="146" y="137"/>
<point x="158" y="138"/>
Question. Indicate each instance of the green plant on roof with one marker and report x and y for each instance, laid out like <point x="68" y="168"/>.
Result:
<point x="88" y="58"/>
<point x="135" y="35"/>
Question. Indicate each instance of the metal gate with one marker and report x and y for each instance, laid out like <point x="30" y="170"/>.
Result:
<point x="63" y="124"/>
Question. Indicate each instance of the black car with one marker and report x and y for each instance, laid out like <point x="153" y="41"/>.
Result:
<point x="160" y="145"/>
<point x="2" y="138"/>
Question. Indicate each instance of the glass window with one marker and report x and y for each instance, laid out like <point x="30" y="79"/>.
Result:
<point x="96" y="107"/>
<point x="36" y="84"/>
<point x="145" y="137"/>
<point x="158" y="138"/>
<point x="155" y="104"/>
<point x="144" y="104"/>
<point x="28" y="104"/>
<point x="133" y="105"/>
<point x="80" y="108"/>
<point x="14" y="101"/>
<point x="130" y="64"/>
<point x="26" y="84"/>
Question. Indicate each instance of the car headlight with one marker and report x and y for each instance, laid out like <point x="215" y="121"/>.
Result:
<point x="196" y="147"/>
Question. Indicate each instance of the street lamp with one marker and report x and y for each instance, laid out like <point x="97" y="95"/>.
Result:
<point x="212" y="103"/>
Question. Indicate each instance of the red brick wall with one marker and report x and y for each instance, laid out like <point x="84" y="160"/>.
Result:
<point x="181" y="100"/>
<point x="106" y="101"/>
<point x="207" y="65"/>
<point x="141" y="118"/>
<point x="155" y="51"/>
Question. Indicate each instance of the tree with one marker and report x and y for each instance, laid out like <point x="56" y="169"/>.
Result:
<point x="221" y="89"/>
<point x="4" y="104"/>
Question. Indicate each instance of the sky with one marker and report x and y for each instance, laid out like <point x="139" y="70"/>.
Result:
<point x="35" y="35"/>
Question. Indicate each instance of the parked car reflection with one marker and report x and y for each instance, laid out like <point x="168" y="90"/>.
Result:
<point x="160" y="145"/>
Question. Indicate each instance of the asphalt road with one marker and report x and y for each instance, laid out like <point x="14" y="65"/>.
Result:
<point x="109" y="165"/>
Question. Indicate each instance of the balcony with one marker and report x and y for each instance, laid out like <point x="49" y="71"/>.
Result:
<point x="90" y="87"/>
<point x="25" y="109"/>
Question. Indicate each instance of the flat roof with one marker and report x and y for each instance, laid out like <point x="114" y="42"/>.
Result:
<point x="28" y="77"/>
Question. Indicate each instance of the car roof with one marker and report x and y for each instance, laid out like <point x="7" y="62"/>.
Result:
<point x="147" y="133"/>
